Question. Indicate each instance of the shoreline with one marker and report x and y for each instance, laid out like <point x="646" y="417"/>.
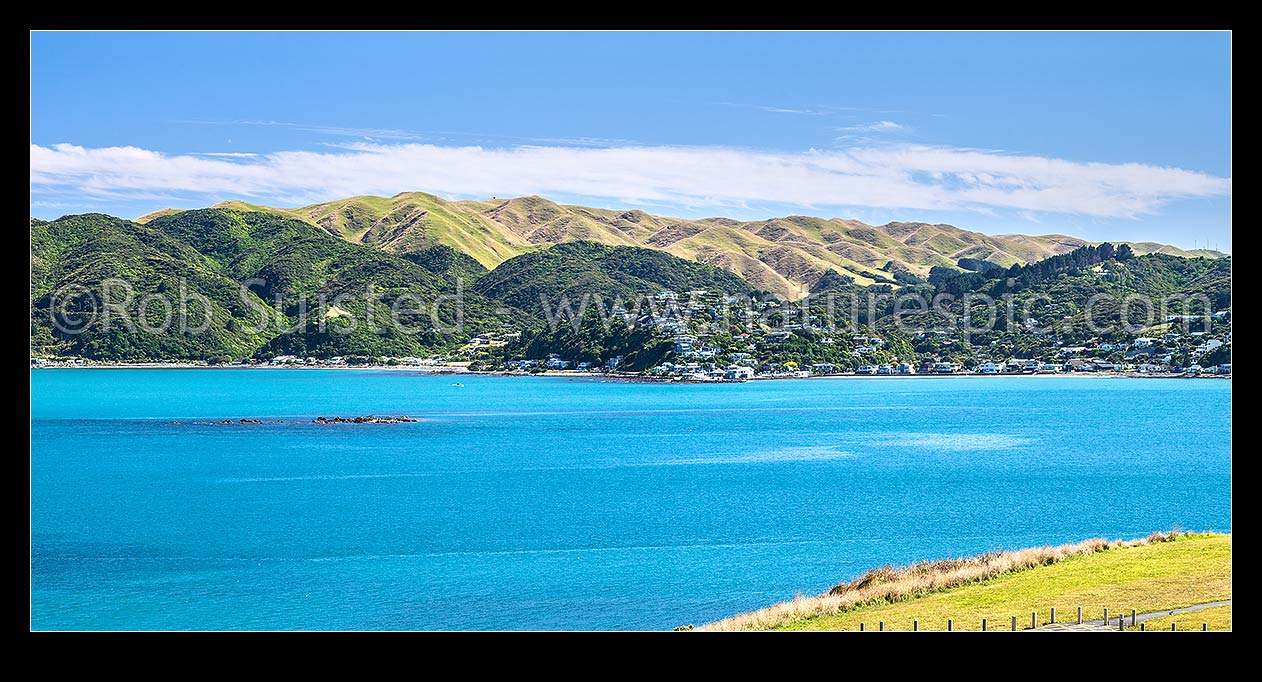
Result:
<point x="451" y="370"/>
<point x="904" y="595"/>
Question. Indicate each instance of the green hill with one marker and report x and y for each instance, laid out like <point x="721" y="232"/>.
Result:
<point x="1072" y="299"/>
<point x="310" y="293"/>
<point x="786" y="256"/>
<point x="299" y="277"/>
<point x="575" y="269"/>
<point x="314" y="278"/>
<point x="447" y="262"/>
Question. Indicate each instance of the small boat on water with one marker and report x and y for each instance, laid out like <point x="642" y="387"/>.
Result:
<point x="458" y="385"/>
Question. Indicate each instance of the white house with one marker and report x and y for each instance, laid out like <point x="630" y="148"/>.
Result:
<point x="738" y="373"/>
<point x="989" y="368"/>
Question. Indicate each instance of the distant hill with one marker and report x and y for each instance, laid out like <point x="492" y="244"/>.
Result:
<point x="573" y="269"/>
<point x="1089" y="295"/>
<point x="210" y="252"/>
<point x="308" y="290"/>
<point x="300" y="276"/>
<point x="787" y="256"/>
<point x="447" y="262"/>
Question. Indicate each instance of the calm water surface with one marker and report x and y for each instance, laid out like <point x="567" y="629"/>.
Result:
<point x="541" y="503"/>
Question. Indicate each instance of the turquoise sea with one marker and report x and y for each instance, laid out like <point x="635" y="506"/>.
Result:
<point x="552" y="503"/>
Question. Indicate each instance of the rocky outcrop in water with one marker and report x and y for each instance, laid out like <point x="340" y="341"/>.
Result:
<point x="366" y="419"/>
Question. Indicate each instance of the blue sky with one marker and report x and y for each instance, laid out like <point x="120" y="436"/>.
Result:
<point x="1098" y="135"/>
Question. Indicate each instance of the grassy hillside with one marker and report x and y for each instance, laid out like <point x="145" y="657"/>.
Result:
<point x="1158" y="573"/>
<point x="1215" y="618"/>
<point x="409" y="222"/>
<point x="300" y="278"/>
<point x="156" y="214"/>
<point x="786" y="256"/>
<point x="301" y="267"/>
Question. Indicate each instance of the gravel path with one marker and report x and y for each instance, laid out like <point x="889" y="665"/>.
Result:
<point x="1113" y="621"/>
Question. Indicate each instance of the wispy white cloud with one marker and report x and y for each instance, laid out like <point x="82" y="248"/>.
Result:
<point x="401" y="135"/>
<point x="335" y="131"/>
<point x="816" y="110"/>
<point x="830" y="110"/>
<point x="874" y="176"/>
<point x="874" y="127"/>
<point x="233" y="155"/>
<point x="788" y="110"/>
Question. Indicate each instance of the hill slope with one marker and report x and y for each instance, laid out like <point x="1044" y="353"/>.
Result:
<point x="786" y="256"/>
<point x="270" y="284"/>
<point x="299" y="277"/>
<point x="1163" y="572"/>
<point x="575" y="269"/>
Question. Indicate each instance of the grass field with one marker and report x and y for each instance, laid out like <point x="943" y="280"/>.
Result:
<point x="1216" y="618"/>
<point x="1161" y="572"/>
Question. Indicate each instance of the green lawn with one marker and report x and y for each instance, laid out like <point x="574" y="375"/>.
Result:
<point x="1217" y="618"/>
<point x="1191" y="570"/>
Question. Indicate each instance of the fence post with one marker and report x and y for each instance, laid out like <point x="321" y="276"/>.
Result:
<point x="1106" y="615"/>
<point x="1053" y="620"/>
<point x="881" y="626"/>
<point x="983" y="625"/>
<point x="1121" y="623"/>
<point x="1034" y="620"/>
<point x="1014" y="623"/>
<point x="1172" y="624"/>
<point x="1080" y="615"/>
<point x="950" y="625"/>
<point x="915" y="626"/>
<point x="1132" y="617"/>
<point x="860" y="627"/>
<point x="1141" y="626"/>
<point x="1204" y="627"/>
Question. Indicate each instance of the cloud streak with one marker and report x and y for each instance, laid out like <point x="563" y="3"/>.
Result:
<point x="874" y="127"/>
<point x="881" y="176"/>
<point x="788" y="110"/>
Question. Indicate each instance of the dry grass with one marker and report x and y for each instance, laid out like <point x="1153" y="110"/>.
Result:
<point x="890" y="584"/>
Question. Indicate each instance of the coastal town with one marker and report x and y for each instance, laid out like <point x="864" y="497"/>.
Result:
<point x="716" y="338"/>
<point x="710" y="338"/>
